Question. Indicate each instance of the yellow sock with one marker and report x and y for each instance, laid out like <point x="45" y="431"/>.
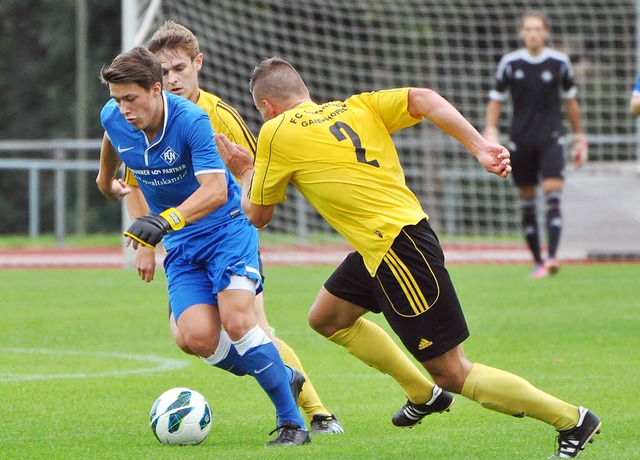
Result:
<point x="372" y="345"/>
<point x="308" y="399"/>
<point x="507" y="393"/>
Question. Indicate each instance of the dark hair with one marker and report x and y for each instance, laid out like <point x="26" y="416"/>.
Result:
<point x="138" y="66"/>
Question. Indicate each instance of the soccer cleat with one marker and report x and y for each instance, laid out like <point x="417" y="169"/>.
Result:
<point x="552" y="265"/>
<point x="571" y="442"/>
<point x="290" y="434"/>
<point x="297" y="380"/>
<point x="539" y="271"/>
<point x="326" y="424"/>
<point x="411" y="414"/>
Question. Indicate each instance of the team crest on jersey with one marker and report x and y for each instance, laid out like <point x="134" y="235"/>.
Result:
<point x="546" y="76"/>
<point x="519" y="75"/>
<point x="170" y="156"/>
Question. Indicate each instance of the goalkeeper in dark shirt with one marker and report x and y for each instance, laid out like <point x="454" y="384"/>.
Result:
<point x="539" y="79"/>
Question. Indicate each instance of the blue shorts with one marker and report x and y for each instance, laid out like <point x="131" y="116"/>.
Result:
<point x="199" y="267"/>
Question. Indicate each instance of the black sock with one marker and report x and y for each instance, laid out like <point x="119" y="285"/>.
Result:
<point x="554" y="222"/>
<point x="530" y="227"/>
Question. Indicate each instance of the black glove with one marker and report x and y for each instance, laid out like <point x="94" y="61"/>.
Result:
<point x="148" y="230"/>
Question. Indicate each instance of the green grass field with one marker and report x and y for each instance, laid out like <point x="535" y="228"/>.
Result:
<point x="84" y="354"/>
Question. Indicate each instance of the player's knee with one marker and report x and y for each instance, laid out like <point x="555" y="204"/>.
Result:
<point x="178" y="338"/>
<point x="553" y="199"/>
<point x="317" y="324"/>
<point x="452" y="382"/>
<point x="198" y="345"/>
<point x="553" y="208"/>
<point x="322" y="324"/>
<point x="237" y="326"/>
<point x="181" y="342"/>
<point x="198" y="341"/>
<point x="450" y="370"/>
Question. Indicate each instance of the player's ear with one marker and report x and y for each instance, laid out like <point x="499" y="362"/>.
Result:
<point x="270" y="108"/>
<point x="197" y="61"/>
<point x="156" y="89"/>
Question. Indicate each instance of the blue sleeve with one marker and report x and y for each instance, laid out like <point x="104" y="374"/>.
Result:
<point x="204" y="154"/>
<point x="636" y="88"/>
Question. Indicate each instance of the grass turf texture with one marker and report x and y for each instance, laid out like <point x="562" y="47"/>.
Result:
<point x="74" y="385"/>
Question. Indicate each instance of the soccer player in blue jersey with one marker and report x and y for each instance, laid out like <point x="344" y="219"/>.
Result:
<point x="211" y="263"/>
<point x="539" y="79"/>
<point x="178" y="51"/>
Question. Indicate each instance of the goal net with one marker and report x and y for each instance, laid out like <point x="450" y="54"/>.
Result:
<point x="350" y="46"/>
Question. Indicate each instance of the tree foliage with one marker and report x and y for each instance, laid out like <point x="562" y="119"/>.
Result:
<point x="38" y="72"/>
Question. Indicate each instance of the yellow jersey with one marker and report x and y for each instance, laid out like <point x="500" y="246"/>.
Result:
<point x="341" y="157"/>
<point x="224" y="119"/>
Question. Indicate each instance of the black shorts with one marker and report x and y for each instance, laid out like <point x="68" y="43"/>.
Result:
<point x="413" y="290"/>
<point x="530" y="162"/>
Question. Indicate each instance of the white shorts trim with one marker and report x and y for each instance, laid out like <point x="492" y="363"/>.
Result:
<point x="242" y="283"/>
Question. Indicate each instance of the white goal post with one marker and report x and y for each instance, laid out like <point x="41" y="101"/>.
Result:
<point x="344" y="47"/>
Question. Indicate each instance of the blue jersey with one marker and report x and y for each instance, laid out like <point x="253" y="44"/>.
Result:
<point x="167" y="169"/>
<point x="636" y="88"/>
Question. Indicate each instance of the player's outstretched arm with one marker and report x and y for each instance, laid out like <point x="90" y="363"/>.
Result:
<point x="426" y="103"/>
<point x="495" y="159"/>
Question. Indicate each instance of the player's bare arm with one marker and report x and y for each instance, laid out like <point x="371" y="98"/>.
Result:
<point x="579" y="148"/>
<point x="145" y="259"/>
<point x="238" y="159"/>
<point x="240" y="162"/>
<point x="211" y="194"/>
<point x="493" y="157"/>
<point x="491" y="121"/>
<point x="113" y="189"/>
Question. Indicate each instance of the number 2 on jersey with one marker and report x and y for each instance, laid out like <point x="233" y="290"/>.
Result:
<point x="339" y="129"/>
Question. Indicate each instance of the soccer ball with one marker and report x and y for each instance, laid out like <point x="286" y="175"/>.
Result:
<point x="181" y="416"/>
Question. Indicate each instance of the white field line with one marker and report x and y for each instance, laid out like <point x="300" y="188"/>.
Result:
<point x="161" y="364"/>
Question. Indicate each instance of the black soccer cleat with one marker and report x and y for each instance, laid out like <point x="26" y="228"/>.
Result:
<point x="411" y="414"/>
<point x="326" y="424"/>
<point x="297" y="380"/>
<point x="290" y="434"/>
<point x="571" y="442"/>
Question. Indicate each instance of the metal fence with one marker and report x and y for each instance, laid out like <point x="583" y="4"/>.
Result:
<point x="54" y="157"/>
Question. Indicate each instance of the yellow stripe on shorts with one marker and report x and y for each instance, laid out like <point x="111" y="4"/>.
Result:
<point x="407" y="282"/>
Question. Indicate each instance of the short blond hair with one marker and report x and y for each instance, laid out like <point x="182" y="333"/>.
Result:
<point x="173" y="36"/>
<point x="535" y="14"/>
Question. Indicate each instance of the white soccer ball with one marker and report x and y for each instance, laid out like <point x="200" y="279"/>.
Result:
<point x="181" y="416"/>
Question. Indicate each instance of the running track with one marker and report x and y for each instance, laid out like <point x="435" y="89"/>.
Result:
<point x="271" y="256"/>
